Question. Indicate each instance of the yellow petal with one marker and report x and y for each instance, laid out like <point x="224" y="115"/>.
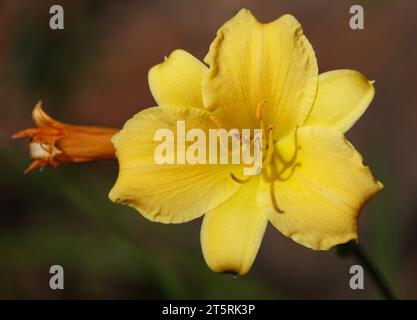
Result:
<point x="168" y="193"/>
<point x="251" y="62"/>
<point x="323" y="198"/>
<point x="342" y="97"/>
<point x="177" y="80"/>
<point x="232" y="233"/>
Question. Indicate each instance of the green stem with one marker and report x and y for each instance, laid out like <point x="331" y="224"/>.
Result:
<point x="353" y="248"/>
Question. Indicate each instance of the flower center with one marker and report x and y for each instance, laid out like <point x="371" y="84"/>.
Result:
<point x="274" y="165"/>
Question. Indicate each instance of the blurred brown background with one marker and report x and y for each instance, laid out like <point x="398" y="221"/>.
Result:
<point x="94" y="72"/>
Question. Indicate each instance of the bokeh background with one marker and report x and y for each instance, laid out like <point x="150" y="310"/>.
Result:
<point x="94" y="72"/>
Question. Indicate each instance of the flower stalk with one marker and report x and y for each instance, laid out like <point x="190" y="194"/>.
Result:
<point x="354" y="249"/>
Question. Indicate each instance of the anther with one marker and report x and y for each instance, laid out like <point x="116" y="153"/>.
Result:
<point x="260" y="110"/>
<point x="241" y="181"/>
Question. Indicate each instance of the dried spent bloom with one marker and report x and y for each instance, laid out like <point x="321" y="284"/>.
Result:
<point x="53" y="143"/>
<point x="312" y="185"/>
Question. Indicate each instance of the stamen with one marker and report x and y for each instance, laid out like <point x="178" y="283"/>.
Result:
<point x="266" y="175"/>
<point x="270" y="147"/>
<point x="260" y="110"/>
<point x="273" y="199"/>
<point x="241" y="181"/>
<point x="271" y="173"/>
<point x="293" y="167"/>
<point x="260" y="116"/>
<point x="288" y="163"/>
<point x="270" y="178"/>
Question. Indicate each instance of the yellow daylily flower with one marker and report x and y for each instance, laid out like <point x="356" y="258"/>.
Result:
<point x="312" y="185"/>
